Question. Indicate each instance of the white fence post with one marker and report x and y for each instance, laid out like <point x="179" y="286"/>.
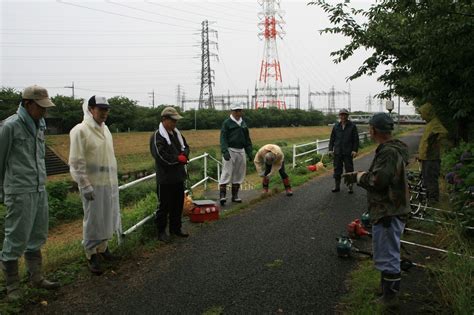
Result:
<point x="205" y="171"/>
<point x="317" y="146"/>
<point x="294" y="155"/>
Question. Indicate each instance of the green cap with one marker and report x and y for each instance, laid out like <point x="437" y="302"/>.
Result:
<point x="382" y="122"/>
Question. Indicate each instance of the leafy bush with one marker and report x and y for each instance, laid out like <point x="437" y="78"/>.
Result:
<point x="458" y="168"/>
<point x="58" y="190"/>
<point x="136" y="193"/>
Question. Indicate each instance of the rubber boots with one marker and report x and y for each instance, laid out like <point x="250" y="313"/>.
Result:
<point x="34" y="261"/>
<point x="337" y="186"/>
<point x="265" y="184"/>
<point x="94" y="264"/>
<point x="12" y="279"/>
<point x="390" y="290"/>
<point x="222" y="192"/>
<point x="235" y="193"/>
<point x="288" y="190"/>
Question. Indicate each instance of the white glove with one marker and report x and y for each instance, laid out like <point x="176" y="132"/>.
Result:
<point x="88" y="193"/>
<point x="354" y="154"/>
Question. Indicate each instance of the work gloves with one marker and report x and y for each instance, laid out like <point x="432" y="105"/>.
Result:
<point x="89" y="195"/>
<point x="182" y="159"/>
<point x="350" y="178"/>
<point x="227" y="156"/>
<point x="353" y="154"/>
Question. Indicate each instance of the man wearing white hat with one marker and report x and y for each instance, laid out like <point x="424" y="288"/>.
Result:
<point x="235" y="143"/>
<point x="93" y="166"/>
<point x="23" y="191"/>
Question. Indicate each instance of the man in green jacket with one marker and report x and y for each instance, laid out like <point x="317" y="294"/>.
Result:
<point x="429" y="151"/>
<point x="235" y="143"/>
<point x="22" y="190"/>
<point x="388" y="202"/>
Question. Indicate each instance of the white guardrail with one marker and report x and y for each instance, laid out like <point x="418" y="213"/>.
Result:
<point x="319" y="146"/>
<point x="203" y="181"/>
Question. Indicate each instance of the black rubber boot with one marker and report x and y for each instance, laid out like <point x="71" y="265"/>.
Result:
<point x="265" y="184"/>
<point x="108" y="256"/>
<point x="34" y="262"/>
<point x="235" y="193"/>
<point x="288" y="190"/>
<point x="222" y="193"/>
<point x="390" y="290"/>
<point x="12" y="279"/>
<point x="94" y="265"/>
<point x="337" y="186"/>
<point x="163" y="236"/>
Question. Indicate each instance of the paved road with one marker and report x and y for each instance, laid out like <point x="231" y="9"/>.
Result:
<point x="279" y="255"/>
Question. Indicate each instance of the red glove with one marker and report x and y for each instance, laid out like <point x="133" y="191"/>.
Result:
<point x="182" y="158"/>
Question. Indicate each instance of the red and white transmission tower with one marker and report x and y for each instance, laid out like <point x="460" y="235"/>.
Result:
<point x="269" y="92"/>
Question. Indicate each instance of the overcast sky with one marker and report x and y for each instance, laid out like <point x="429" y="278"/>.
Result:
<point x="131" y="48"/>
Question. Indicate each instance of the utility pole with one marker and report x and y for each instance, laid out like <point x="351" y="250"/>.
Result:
<point x="152" y="95"/>
<point x="206" y="98"/>
<point x="398" y="120"/>
<point x="369" y="103"/>
<point x="72" y="88"/>
<point x="178" y="97"/>
<point x="349" y="103"/>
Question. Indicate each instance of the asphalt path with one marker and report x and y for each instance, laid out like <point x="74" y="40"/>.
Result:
<point x="277" y="256"/>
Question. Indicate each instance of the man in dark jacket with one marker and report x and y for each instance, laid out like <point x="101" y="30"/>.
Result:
<point x="344" y="144"/>
<point x="235" y="143"/>
<point x="388" y="201"/>
<point x="170" y="150"/>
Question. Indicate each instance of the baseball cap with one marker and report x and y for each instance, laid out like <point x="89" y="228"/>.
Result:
<point x="236" y="107"/>
<point x="99" y="101"/>
<point x="38" y="94"/>
<point x="171" y="112"/>
<point x="382" y="122"/>
<point x="344" y="111"/>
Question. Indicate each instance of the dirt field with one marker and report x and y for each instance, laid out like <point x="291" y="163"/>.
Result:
<point x="131" y="149"/>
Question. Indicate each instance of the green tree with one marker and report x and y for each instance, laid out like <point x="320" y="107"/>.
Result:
<point x="9" y="101"/>
<point x="123" y="113"/>
<point x="426" y="46"/>
<point x="67" y="113"/>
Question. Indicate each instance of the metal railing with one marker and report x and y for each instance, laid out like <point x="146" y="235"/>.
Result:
<point x="203" y="181"/>
<point x="319" y="146"/>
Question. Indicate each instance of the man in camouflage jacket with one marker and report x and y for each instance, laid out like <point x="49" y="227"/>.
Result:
<point x="388" y="202"/>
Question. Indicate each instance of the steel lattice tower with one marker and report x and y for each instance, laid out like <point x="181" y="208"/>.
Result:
<point x="269" y="88"/>
<point x="206" y="98"/>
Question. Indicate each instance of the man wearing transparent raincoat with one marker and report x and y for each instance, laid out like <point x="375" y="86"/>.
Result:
<point x="94" y="167"/>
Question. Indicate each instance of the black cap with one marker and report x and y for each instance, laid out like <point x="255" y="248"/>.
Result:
<point x="382" y="122"/>
<point x="99" y="101"/>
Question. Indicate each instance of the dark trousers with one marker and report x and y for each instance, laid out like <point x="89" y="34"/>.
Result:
<point x="282" y="172"/>
<point x="341" y="160"/>
<point x="171" y="199"/>
<point x="430" y="174"/>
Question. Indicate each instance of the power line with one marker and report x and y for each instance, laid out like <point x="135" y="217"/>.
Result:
<point x="7" y="44"/>
<point x="122" y="15"/>
<point x="151" y="12"/>
<point x="194" y="13"/>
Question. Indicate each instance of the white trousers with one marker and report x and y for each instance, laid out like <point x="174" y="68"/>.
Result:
<point x="233" y="171"/>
